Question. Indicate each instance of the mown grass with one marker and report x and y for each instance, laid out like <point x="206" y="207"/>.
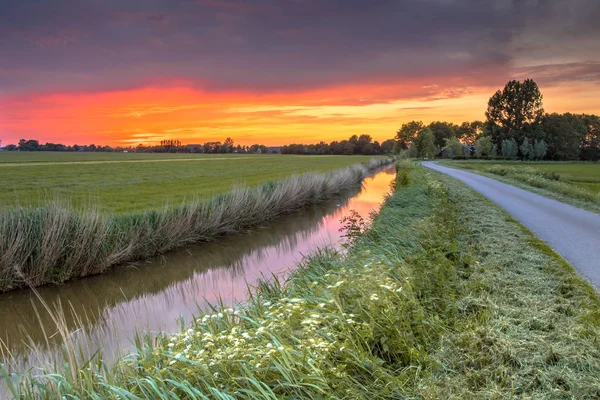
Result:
<point x="574" y="183"/>
<point x="123" y="183"/>
<point x="56" y="242"/>
<point x="444" y="296"/>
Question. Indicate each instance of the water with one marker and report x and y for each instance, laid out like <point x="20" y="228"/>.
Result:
<point x="104" y="311"/>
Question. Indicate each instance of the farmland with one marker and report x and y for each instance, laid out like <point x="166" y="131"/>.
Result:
<point x="121" y="183"/>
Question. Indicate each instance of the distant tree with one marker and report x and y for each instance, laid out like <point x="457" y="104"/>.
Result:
<point x="412" y="151"/>
<point x="510" y="148"/>
<point x="407" y="134"/>
<point x="526" y="148"/>
<point x="425" y="143"/>
<point x="442" y="131"/>
<point x="469" y="132"/>
<point x="590" y="146"/>
<point x="387" y="146"/>
<point x="347" y="147"/>
<point x="483" y="146"/>
<point x="376" y="147"/>
<point x="364" y="145"/>
<point x="564" y="134"/>
<point x="494" y="152"/>
<point x="29" y="145"/>
<point x="454" y="145"/>
<point x="540" y="148"/>
<point x="10" y="147"/>
<point x="514" y="110"/>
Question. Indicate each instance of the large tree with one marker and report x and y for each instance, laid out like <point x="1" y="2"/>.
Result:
<point x="469" y="132"/>
<point x="407" y="134"/>
<point x="564" y="135"/>
<point x="590" y="147"/>
<point x="441" y="131"/>
<point x="425" y="143"/>
<point x="514" y="110"/>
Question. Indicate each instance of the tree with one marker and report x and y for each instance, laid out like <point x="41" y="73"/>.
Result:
<point x="442" y="131"/>
<point x="454" y="146"/>
<point x="412" y="151"/>
<point x="483" y="146"/>
<point x="227" y="146"/>
<point x="29" y="145"/>
<point x="539" y="149"/>
<point x="494" y="150"/>
<point x="510" y="148"/>
<point x="10" y="147"/>
<point x="564" y="134"/>
<point x="590" y="146"/>
<point x="527" y="151"/>
<point x="407" y="134"/>
<point x="387" y="146"/>
<point x="425" y="144"/>
<point x="514" y="110"/>
<point x="469" y="132"/>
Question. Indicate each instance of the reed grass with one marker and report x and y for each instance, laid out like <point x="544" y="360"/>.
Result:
<point x="57" y="242"/>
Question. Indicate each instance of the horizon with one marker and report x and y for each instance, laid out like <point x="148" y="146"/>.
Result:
<point x="277" y="73"/>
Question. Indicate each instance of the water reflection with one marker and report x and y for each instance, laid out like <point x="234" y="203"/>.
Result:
<point x="154" y="294"/>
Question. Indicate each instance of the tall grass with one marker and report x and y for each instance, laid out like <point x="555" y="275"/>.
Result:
<point x="57" y="242"/>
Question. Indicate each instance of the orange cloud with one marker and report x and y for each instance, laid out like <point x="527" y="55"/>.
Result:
<point x="148" y="115"/>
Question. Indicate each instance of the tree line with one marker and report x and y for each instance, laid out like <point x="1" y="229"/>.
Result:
<point x="516" y="126"/>
<point x="362" y="144"/>
<point x="165" y="146"/>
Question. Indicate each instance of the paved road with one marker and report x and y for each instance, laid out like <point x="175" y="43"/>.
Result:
<point x="572" y="232"/>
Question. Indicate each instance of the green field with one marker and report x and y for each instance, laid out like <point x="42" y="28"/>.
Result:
<point x="583" y="175"/>
<point x="126" y="182"/>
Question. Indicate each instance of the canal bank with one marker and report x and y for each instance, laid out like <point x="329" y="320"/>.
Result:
<point x="443" y="297"/>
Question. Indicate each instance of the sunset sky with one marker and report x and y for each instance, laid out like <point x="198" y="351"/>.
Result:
<point x="274" y="72"/>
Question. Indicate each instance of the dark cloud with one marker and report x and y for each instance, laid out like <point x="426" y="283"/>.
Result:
<point x="272" y="45"/>
<point x="551" y="74"/>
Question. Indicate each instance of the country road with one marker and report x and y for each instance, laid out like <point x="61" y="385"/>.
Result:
<point x="572" y="232"/>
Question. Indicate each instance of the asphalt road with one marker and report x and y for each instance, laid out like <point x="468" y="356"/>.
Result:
<point x="572" y="232"/>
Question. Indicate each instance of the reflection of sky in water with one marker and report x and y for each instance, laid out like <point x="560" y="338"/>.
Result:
<point x="153" y="295"/>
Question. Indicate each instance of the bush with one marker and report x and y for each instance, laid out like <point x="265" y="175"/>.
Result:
<point x="460" y="157"/>
<point x="551" y="175"/>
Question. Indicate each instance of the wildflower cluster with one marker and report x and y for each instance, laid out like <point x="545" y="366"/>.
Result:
<point x="275" y="336"/>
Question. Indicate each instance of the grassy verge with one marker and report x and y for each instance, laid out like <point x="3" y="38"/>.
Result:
<point x="57" y="242"/>
<point x="444" y="296"/>
<point x="577" y="184"/>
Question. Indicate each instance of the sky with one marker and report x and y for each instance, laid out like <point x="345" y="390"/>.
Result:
<point x="124" y="72"/>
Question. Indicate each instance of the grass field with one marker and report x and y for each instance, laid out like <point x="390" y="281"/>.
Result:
<point x="575" y="183"/>
<point x="445" y="296"/>
<point x="119" y="182"/>
<point x="583" y="175"/>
